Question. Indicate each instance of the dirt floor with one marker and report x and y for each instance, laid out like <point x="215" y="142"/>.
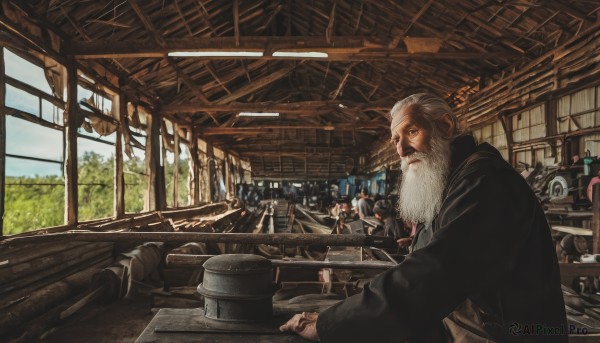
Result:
<point x="122" y="321"/>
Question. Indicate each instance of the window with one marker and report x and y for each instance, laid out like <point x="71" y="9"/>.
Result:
<point x="529" y="124"/>
<point x="34" y="183"/>
<point x="579" y="110"/>
<point x="134" y="159"/>
<point x="494" y="135"/>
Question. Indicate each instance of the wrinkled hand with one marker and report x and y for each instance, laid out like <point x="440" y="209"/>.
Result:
<point x="304" y="324"/>
<point x="404" y="242"/>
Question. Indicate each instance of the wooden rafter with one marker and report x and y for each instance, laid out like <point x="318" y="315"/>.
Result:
<point x="261" y="128"/>
<point x="257" y="84"/>
<point x="301" y="107"/>
<point x="342" y="48"/>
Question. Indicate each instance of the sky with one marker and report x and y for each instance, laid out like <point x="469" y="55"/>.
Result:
<point x="32" y="140"/>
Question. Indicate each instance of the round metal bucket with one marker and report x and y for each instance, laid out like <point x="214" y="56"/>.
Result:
<point x="237" y="287"/>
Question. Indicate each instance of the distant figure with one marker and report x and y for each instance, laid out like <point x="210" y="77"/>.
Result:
<point x="365" y="204"/>
<point x="590" y="187"/>
<point x="384" y="211"/>
<point x="577" y="160"/>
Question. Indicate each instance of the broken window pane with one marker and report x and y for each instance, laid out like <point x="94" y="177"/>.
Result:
<point x="25" y="71"/>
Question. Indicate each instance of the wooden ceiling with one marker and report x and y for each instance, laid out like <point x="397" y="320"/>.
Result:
<point x="333" y="109"/>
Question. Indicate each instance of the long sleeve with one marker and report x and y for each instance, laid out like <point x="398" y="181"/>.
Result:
<point x="485" y="220"/>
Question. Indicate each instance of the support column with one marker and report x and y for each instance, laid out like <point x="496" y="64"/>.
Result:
<point x="155" y="197"/>
<point x="176" y="165"/>
<point x="71" y="122"/>
<point x="596" y="217"/>
<point x="194" y="169"/>
<point x="119" y="209"/>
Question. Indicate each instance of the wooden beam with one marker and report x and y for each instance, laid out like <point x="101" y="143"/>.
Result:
<point x="236" y="22"/>
<point x="301" y="107"/>
<point x="195" y="168"/>
<point x="191" y="85"/>
<point x="343" y="82"/>
<point x="257" y="84"/>
<point x="184" y="237"/>
<point x="119" y="209"/>
<point x="71" y="122"/>
<point x="156" y="36"/>
<point x="175" y="165"/>
<point x="251" y="129"/>
<point x="341" y="48"/>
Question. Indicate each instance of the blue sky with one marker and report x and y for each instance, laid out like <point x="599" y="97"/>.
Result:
<point x="29" y="139"/>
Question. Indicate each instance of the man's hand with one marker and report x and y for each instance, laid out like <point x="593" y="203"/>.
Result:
<point x="304" y="324"/>
<point x="404" y="242"/>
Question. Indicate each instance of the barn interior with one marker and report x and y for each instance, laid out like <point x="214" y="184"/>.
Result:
<point x="140" y="138"/>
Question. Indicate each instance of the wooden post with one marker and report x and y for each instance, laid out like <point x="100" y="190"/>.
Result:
<point x="175" y="165"/>
<point x="228" y="177"/>
<point x="194" y="169"/>
<point x="2" y="141"/>
<point x="71" y="122"/>
<point x="596" y="217"/>
<point x="119" y="209"/>
<point x="153" y="167"/>
<point x="211" y="172"/>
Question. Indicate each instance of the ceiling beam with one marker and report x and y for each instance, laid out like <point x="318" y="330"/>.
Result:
<point x="292" y="108"/>
<point x="211" y="131"/>
<point x="257" y="84"/>
<point x="341" y="48"/>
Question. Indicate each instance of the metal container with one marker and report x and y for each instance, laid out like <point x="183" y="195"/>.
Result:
<point x="237" y="287"/>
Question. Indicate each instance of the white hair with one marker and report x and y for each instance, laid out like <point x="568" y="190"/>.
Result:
<point x="431" y="107"/>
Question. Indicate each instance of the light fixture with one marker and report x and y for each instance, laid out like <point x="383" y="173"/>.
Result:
<point x="258" y="114"/>
<point x="307" y="54"/>
<point x="216" y="54"/>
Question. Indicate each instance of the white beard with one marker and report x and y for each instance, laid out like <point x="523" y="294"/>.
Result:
<point x="422" y="186"/>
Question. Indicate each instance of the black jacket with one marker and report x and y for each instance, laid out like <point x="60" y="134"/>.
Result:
<point x="487" y="271"/>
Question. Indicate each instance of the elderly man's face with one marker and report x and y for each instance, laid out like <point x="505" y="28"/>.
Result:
<point x="412" y="135"/>
<point x="425" y="160"/>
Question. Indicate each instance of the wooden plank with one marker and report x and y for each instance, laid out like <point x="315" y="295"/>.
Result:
<point x="301" y="107"/>
<point x="184" y="237"/>
<point x="258" y="84"/>
<point x="176" y="317"/>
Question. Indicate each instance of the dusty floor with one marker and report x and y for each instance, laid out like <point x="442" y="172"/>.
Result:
<point x="122" y="321"/>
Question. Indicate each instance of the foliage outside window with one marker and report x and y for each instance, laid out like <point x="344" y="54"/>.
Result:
<point x="95" y="153"/>
<point x="580" y="110"/>
<point x="34" y="182"/>
<point x="182" y="172"/>
<point x="529" y="124"/>
<point x="134" y="158"/>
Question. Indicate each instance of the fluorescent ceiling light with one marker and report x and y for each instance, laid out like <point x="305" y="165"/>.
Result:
<point x="216" y="54"/>
<point x="313" y="54"/>
<point x="258" y="114"/>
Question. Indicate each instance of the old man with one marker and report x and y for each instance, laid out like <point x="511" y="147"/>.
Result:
<point x="482" y="266"/>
